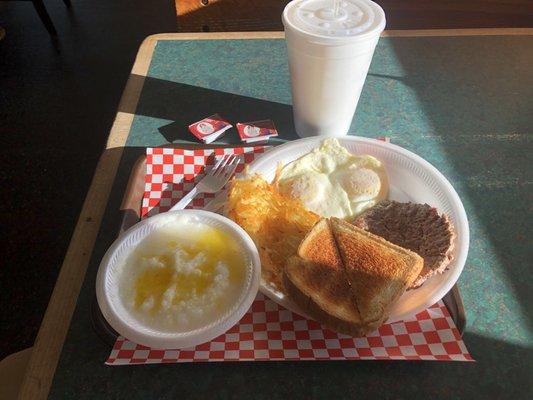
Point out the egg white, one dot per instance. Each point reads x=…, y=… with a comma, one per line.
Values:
x=332, y=182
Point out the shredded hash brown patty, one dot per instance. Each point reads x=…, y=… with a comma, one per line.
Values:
x=276, y=223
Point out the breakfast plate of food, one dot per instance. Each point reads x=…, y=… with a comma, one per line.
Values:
x=353, y=232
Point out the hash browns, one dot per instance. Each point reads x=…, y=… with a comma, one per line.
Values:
x=276, y=223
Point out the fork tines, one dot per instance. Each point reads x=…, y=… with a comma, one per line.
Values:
x=223, y=163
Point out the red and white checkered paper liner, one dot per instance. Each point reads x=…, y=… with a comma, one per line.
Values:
x=268, y=331
x=171, y=173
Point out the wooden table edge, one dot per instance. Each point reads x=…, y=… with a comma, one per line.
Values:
x=387, y=33
x=56, y=321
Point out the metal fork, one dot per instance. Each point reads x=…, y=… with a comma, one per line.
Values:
x=215, y=180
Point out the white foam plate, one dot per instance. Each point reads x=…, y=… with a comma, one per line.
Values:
x=411, y=178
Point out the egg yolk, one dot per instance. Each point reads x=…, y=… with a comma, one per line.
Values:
x=361, y=184
x=309, y=188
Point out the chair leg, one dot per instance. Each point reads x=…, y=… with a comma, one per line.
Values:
x=67, y=3
x=43, y=14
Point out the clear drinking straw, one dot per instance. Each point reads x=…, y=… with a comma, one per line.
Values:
x=336, y=7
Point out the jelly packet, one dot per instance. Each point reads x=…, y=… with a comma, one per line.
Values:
x=210, y=128
x=256, y=131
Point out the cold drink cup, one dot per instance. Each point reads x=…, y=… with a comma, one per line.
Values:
x=330, y=45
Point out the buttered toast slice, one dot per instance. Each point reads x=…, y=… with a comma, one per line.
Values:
x=378, y=271
x=319, y=246
x=317, y=282
x=324, y=294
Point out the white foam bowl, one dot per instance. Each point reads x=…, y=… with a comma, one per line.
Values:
x=110, y=271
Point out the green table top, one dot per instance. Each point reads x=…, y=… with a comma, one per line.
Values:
x=464, y=103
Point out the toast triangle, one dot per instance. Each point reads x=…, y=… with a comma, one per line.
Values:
x=317, y=282
x=378, y=271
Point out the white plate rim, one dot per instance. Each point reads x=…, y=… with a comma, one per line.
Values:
x=462, y=220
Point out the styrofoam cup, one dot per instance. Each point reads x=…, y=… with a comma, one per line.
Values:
x=329, y=55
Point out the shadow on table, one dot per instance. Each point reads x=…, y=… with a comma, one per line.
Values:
x=487, y=137
x=477, y=96
x=184, y=104
x=483, y=135
x=502, y=369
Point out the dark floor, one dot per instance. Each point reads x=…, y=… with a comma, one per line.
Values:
x=55, y=113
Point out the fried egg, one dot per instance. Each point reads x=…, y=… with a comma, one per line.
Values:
x=332, y=182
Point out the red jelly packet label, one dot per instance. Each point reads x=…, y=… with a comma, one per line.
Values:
x=210, y=128
x=257, y=130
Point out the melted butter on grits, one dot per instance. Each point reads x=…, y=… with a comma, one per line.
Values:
x=183, y=276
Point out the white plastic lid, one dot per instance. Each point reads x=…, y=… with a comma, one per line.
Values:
x=110, y=271
x=351, y=20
